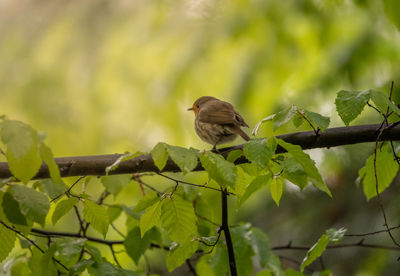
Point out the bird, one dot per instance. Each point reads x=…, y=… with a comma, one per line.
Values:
x=217, y=122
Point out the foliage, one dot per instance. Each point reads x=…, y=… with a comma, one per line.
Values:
x=100, y=77
x=171, y=220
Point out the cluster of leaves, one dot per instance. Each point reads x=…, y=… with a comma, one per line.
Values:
x=181, y=221
x=170, y=218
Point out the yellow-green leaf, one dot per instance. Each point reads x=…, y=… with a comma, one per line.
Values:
x=97, y=216
x=178, y=218
x=276, y=188
x=22, y=143
x=150, y=218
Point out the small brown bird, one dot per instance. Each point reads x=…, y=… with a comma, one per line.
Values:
x=217, y=122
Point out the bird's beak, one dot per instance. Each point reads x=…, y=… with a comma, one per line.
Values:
x=189, y=109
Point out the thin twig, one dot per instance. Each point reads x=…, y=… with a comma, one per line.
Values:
x=191, y=268
x=396, y=157
x=103, y=196
x=200, y=216
x=379, y=197
x=335, y=246
x=301, y=113
x=213, y=244
x=58, y=234
x=114, y=256
x=371, y=233
x=116, y=230
x=33, y=243
x=295, y=262
x=191, y=184
x=68, y=191
x=138, y=178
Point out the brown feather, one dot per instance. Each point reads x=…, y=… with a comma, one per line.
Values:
x=220, y=112
x=237, y=130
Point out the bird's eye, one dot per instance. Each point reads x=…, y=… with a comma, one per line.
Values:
x=197, y=105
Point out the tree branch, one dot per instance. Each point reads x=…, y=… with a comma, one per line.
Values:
x=341, y=245
x=225, y=227
x=96, y=164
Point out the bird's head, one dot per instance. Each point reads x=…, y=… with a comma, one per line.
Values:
x=199, y=103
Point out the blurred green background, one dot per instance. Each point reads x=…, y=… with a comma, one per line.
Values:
x=103, y=77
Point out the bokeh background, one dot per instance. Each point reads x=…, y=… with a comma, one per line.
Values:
x=104, y=77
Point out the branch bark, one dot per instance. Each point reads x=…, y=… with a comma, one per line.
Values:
x=225, y=227
x=96, y=164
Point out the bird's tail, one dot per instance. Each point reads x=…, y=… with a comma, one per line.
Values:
x=242, y=133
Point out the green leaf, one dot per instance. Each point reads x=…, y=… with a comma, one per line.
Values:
x=104, y=268
x=47, y=155
x=51, y=188
x=261, y=246
x=291, y=272
x=205, y=207
x=185, y=159
x=285, y=116
x=95, y=253
x=115, y=183
x=219, y=262
x=135, y=245
x=178, y=218
x=97, y=216
x=69, y=249
x=222, y=171
x=382, y=102
x=297, y=120
x=178, y=255
x=122, y=158
x=349, y=104
x=243, y=249
x=20, y=269
x=276, y=188
x=80, y=267
x=22, y=143
x=150, y=217
x=259, y=182
x=243, y=181
x=386, y=169
x=160, y=155
x=146, y=201
x=317, y=120
x=250, y=169
x=62, y=208
x=317, y=249
x=12, y=210
x=257, y=152
x=307, y=163
x=265, y=272
x=7, y=241
x=47, y=267
x=203, y=267
x=294, y=172
x=335, y=235
x=233, y=155
x=33, y=204
x=274, y=265
x=114, y=211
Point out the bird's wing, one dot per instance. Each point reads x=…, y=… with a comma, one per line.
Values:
x=221, y=113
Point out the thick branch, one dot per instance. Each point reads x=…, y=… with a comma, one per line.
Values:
x=96, y=164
